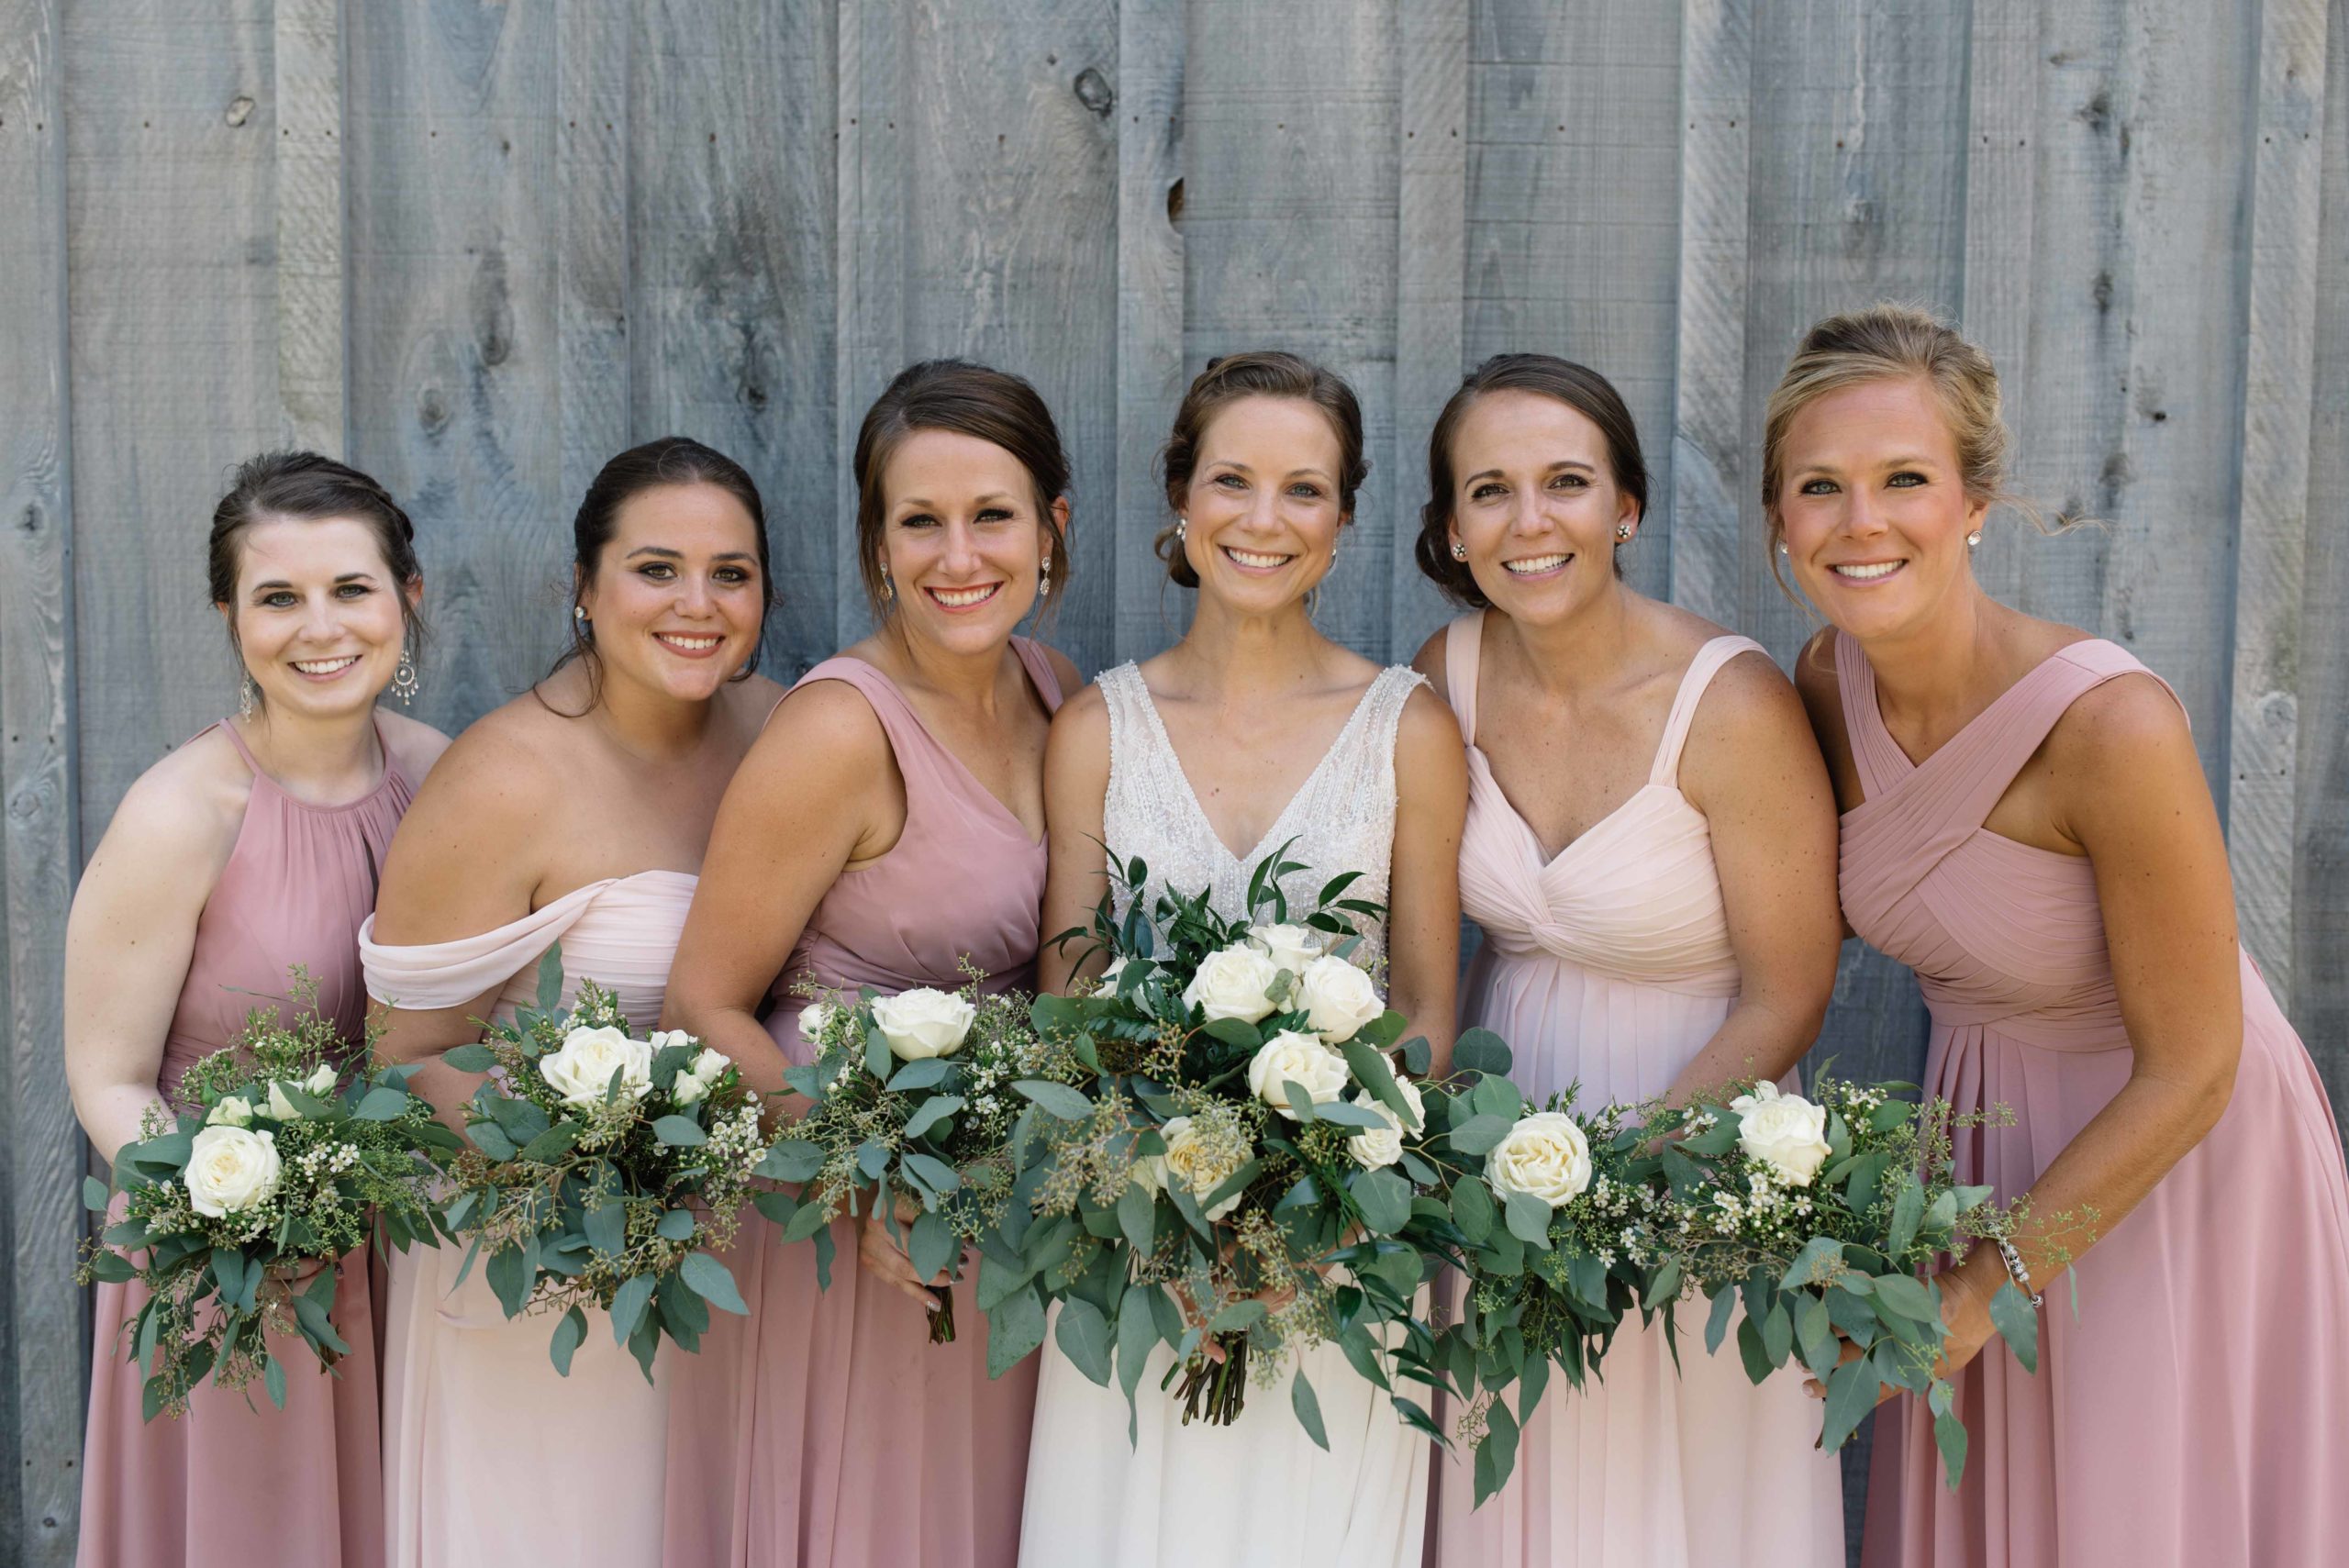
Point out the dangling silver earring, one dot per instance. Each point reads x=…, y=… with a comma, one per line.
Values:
x=1974, y=538
x=248, y=694
x=1181, y=528
x=405, y=685
x=1044, y=580
x=888, y=589
x=1458, y=550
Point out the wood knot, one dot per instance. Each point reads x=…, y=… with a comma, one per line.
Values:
x=1092, y=90
x=241, y=109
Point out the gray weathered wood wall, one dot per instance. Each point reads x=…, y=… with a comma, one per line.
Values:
x=478, y=247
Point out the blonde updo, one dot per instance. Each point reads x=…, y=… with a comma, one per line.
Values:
x=1888, y=342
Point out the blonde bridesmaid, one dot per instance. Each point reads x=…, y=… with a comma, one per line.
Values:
x=1650, y=852
x=885, y=830
x=250, y=848
x=2027, y=824
x=576, y=814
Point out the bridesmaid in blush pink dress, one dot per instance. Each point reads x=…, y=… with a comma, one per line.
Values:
x=576, y=814
x=1649, y=852
x=2027, y=824
x=248, y=849
x=886, y=829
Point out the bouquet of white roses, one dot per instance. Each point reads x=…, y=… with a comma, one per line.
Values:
x=605, y=1170
x=1237, y=1177
x=1820, y=1214
x=282, y=1161
x=914, y=1101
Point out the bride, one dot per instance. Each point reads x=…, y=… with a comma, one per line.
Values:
x=1253, y=731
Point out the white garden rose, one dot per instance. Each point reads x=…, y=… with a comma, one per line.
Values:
x=814, y=1020
x=581, y=1069
x=1545, y=1155
x=234, y=1110
x=1188, y=1160
x=1786, y=1132
x=323, y=1081
x=1337, y=999
x=923, y=1023
x=1289, y=947
x=1233, y=983
x=229, y=1170
x=1384, y=1146
x=1300, y=1059
x=280, y=1108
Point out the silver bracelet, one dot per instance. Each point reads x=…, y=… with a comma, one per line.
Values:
x=2015, y=1271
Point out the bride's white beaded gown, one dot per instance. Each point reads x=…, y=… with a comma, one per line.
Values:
x=1257, y=1493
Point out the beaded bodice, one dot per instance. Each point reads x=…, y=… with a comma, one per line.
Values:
x=1342, y=819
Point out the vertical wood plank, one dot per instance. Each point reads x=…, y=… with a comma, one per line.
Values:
x=2320, y=876
x=2286, y=160
x=1289, y=230
x=1573, y=209
x=307, y=53
x=1711, y=470
x=41, y=1343
x=454, y=353
x=592, y=133
x=869, y=328
x=1150, y=322
x=729, y=219
x=1431, y=221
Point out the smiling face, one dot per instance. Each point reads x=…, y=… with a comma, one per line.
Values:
x=1536, y=505
x=1873, y=506
x=1261, y=517
x=676, y=596
x=962, y=539
x=318, y=615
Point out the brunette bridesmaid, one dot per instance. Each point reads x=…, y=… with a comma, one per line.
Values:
x=887, y=828
x=2027, y=824
x=248, y=849
x=1649, y=852
x=576, y=814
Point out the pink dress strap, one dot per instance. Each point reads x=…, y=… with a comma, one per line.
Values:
x=1464, y=652
x=1699, y=675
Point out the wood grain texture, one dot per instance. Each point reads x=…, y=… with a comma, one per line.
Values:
x=1150, y=611
x=1574, y=211
x=451, y=113
x=592, y=100
x=170, y=236
x=1430, y=327
x=1289, y=234
x=728, y=229
x=1711, y=471
x=2286, y=201
x=307, y=49
x=869, y=235
x=43, y=1350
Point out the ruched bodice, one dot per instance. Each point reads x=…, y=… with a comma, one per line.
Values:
x=621, y=933
x=1636, y=896
x=2180, y=1417
x=296, y=889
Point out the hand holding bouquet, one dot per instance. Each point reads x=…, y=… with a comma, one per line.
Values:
x=605, y=1170
x=280, y=1164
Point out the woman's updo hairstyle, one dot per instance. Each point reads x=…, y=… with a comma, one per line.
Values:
x=1580, y=388
x=1260, y=373
x=307, y=487
x=670, y=459
x=1889, y=342
x=967, y=399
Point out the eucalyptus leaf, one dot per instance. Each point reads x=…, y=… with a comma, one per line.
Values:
x=1138, y=1218
x=383, y=1105
x=1308, y=1410
x=569, y=1332
x=679, y=1131
x=1497, y=1450
x=1084, y=1337
x=628, y=1305
x=931, y=1112
x=713, y=1282
x=926, y=1073
x=1528, y=1219
x=1481, y=1051
x=1055, y=1100
x=1851, y=1394
x=1015, y=1329
x=1717, y=1326
x=473, y=1057
x=677, y=1224
x=1384, y=1200
x=1480, y=1134
x=1244, y=1313
x=1472, y=1210
x=932, y=1245
x=2017, y=1322
x=1907, y=1295
x=793, y=1160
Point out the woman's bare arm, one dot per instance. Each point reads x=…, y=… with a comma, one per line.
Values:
x=1423, y=894
x=1076, y=782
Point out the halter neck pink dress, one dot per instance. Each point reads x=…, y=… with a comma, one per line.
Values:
x=477, y=1422
x=1609, y=965
x=2196, y=1412
x=824, y=1429
x=236, y=1482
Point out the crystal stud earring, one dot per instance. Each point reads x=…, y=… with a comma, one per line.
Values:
x=1974, y=538
x=1458, y=550
x=1622, y=530
x=1782, y=547
x=1182, y=528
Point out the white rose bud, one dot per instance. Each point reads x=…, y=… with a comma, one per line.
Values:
x=1786, y=1132
x=1300, y=1059
x=1108, y=984
x=1384, y=1146
x=923, y=1023
x=814, y=1020
x=1337, y=999
x=234, y=1110
x=583, y=1067
x=1232, y=982
x=1185, y=1161
x=1545, y=1155
x=323, y=1081
x=1289, y=947
x=280, y=1108
x=229, y=1170
x=698, y=1077
x=663, y=1038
